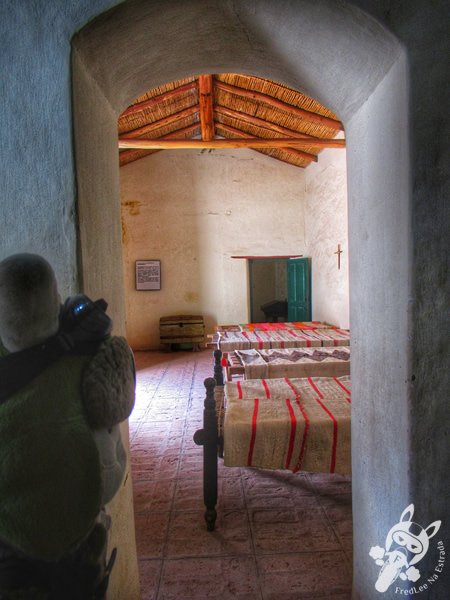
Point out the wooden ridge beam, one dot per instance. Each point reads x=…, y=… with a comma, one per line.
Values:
x=170, y=136
x=145, y=129
x=205, y=97
x=307, y=115
x=151, y=102
x=248, y=142
x=298, y=153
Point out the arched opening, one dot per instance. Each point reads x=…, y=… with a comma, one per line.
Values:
x=357, y=69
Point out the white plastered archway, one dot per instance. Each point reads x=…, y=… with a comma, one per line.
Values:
x=341, y=56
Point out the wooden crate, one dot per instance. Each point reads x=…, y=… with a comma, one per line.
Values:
x=182, y=329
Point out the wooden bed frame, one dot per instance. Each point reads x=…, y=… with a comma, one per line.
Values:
x=212, y=439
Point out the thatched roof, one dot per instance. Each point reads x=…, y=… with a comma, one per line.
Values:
x=228, y=110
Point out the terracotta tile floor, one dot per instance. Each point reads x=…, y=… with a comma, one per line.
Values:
x=278, y=536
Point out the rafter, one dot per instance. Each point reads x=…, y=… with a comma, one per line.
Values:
x=241, y=127
x=268, y=125
x=275, y=103
x=222, y=128
x=178, y=133
x=205, y=95
x=182, y=114
x=247, y=142
x=152, y=102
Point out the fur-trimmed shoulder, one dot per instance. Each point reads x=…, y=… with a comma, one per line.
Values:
x=108, y=384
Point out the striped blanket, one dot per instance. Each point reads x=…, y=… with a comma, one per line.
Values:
x=277, y=326
x=289, y=338
x=296, y=424
x=295, y=362
x=283, y=326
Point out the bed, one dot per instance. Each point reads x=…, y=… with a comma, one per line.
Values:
x=281, y=423
x=265, y=336
x=283, y=338
x=287, y=362
x=277, y=326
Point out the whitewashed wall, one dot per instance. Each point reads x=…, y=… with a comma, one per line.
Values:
x=326, y=227
x=193, y=211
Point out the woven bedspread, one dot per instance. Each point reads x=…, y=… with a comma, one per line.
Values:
x=283, y=326
x=290, y=338
x=295, y=362
x=277, y=326
x=296, y=424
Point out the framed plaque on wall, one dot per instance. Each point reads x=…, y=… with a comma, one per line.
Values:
x=148, y=274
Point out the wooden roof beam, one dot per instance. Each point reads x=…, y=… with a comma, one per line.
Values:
x=240, y=116
x=189, y=130
x=248, y=142
x=146, y=129
x=221, y=127
x=205, y=92
x=306, y=115
x=152, y=102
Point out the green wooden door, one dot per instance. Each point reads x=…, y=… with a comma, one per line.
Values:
x=299, y=289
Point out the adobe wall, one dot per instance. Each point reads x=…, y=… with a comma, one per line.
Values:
x=326, y=228
x=194, y=211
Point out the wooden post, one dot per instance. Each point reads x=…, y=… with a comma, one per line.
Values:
x=218, y=368
x=205, y=94
x=208, y=438
x=210, y=455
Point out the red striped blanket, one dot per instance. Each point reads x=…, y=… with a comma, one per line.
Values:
x=296, y=424
x=283, y=326
x=277, y=326
x=289, y=338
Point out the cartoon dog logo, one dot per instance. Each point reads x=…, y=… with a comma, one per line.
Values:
x=406, y=544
